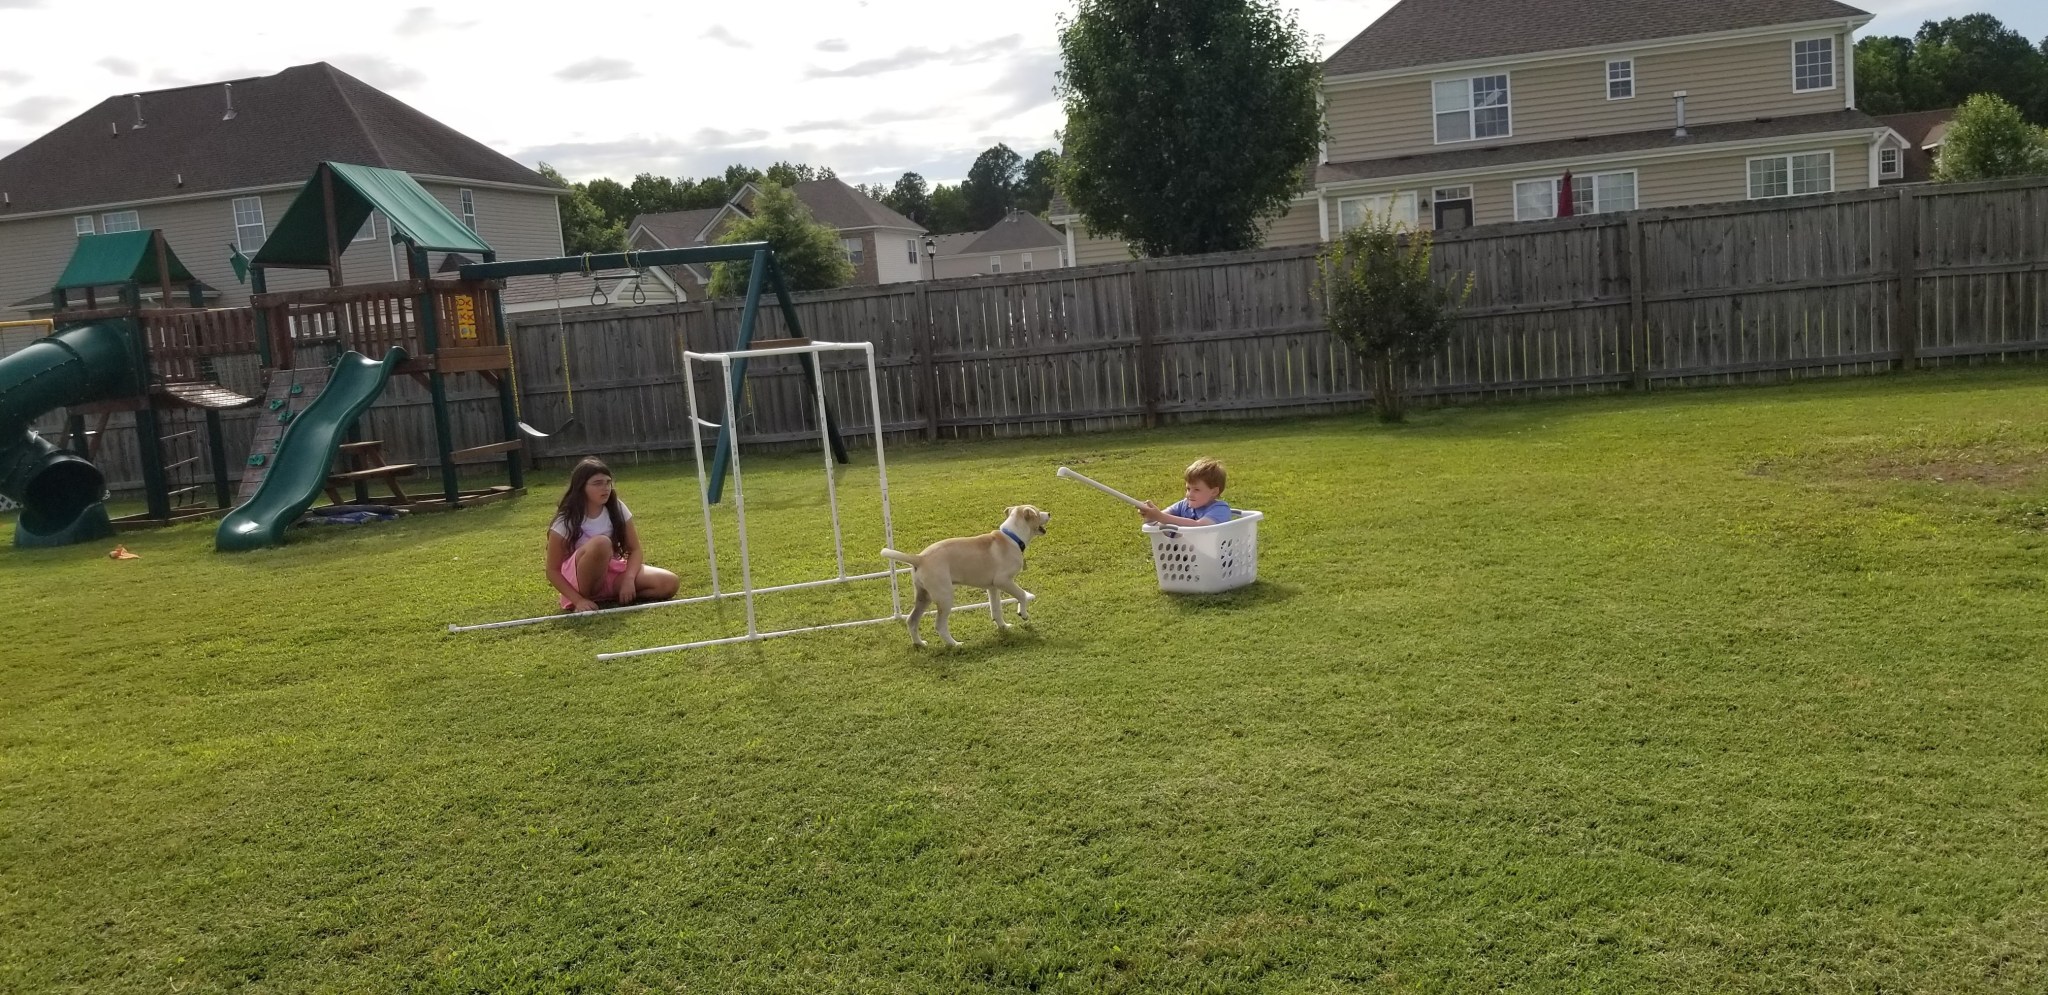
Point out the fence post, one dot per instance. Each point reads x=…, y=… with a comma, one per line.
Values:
x=1638, y=321
x=1146, y=314
x=1906, y=298
x=927, y=332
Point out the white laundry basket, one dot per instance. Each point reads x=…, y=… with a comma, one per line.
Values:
x=1205, y=559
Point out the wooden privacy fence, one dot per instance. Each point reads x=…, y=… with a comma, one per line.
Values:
x=1838, y=284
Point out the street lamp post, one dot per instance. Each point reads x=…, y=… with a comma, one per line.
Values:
x=931, y=255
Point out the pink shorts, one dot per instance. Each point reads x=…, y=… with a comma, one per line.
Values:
x=607, y=586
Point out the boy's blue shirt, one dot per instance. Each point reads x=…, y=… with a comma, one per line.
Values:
x=1214, y=513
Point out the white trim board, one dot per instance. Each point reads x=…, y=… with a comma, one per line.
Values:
x=1837, y=137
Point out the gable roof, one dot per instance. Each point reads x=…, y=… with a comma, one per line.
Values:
x=676, y=229
x=122, y=257
x=953, y=244
x=300, y=238
x=1428, y=32
x=1017, y=231
x=834, y=203
x=284, y=126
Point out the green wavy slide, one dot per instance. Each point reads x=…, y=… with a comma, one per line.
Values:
x=299, y=468
x=59, y=491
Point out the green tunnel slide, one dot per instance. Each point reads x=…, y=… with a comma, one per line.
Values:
x=60, y=491
x=298, y=470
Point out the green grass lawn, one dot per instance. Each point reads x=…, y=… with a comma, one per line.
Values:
x=1717, y=691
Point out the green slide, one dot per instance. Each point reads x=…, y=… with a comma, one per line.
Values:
x=298, y=471
x=60, y=491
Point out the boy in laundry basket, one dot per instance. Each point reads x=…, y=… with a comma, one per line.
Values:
x=1203, y=504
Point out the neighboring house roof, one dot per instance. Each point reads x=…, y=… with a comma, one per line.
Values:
x=834, y=203
x=1922, y=131
x=675, y=229
x=1428, y=32
x=1600, y=145
x=953, y=244
x=284, y=126
x=1018, y=231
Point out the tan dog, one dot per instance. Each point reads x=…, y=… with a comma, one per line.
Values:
x=990, y=561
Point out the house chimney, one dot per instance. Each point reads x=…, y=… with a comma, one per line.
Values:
x=138, y=113
x=1678, y=99
x=229, y=89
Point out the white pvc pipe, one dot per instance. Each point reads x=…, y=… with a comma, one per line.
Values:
x=759, y=636
x=671, y=603
x=739, y=491
x=882, y=471
x=825, y=439
x=697, y=451
x=1100, y=486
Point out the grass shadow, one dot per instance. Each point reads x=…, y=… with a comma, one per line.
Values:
x=1257, y=594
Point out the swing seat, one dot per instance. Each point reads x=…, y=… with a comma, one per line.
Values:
x=533, y=433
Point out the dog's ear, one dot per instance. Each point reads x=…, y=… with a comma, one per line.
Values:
x=1009, y=511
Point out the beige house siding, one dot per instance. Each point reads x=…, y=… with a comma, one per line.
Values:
x=33, y=251
x=1092, y=251
x=978, y=263
x=1567, y=98
x=1297, y=227
x=1712, y=177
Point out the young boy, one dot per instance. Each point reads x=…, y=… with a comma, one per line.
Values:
x=1205, y=486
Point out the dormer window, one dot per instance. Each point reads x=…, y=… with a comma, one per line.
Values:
x=1813, y=64
x=1888, y=162
x=1472, y=108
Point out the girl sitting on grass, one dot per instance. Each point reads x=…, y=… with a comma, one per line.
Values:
x=594, y=550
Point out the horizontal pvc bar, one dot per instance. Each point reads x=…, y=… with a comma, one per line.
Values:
x=698, y=600
x=757, y=637
x=788, y=350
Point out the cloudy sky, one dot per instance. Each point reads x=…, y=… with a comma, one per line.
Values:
x=869, y=87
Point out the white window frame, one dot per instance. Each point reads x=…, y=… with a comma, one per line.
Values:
x=912, y=244
x=855, y=252
x=1516, y=192
x=1461, y=192
x=1471, y=108
x=468, y=200
x=1027, y=260
x=1791, y=187
x=242, y=225
x=1834, y=64
x=107, y=222
x=1390, y=202
x=1594, y=180
x=84, y=225
x=1630, y=78
x=995, y=264
x=368, y=232
x=1897, y=167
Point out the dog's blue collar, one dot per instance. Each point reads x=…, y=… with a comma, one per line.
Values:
x=1013, y=537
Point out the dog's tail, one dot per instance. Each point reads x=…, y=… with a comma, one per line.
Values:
x=912, y=559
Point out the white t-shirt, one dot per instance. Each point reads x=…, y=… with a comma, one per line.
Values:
x=592, y=527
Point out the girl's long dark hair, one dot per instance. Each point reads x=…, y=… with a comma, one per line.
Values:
x=574, y=504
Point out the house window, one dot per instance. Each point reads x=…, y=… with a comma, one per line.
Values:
x=995, y=264
x=469, y=208
x=368, y=232
x=1400, y=207
x=910, y=244
x=1027, y=260
x=248, y=224
x=1888, y=162
x=1476, y=107
x=852, y=248
x=1535, y=199
x=82, y=225
x=1604, y=193
x=117, y=221
x=1621, y=79
x=1791, y=175
x=1813, y=64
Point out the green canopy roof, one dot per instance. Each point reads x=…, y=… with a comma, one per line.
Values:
x=301, y=237
x=107, y=260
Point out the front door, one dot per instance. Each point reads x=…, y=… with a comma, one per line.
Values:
x=1452, y=215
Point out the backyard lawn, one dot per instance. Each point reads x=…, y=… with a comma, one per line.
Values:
x=1714, y=691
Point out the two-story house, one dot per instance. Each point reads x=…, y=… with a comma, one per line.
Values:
x=1017, y=244
x=882, y=245
x=1451, y=113
x=215, y=166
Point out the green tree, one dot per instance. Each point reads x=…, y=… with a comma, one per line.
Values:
x=948, y=211
x=1188, y=124
x=790, y=174
x=910, y=199
x=1882, y=66
x=807, y=252
x=991, y=187
x=1040, y=179
x=585, y=228
x=1378, y=296
x=1947, y=62
x=1990, y=139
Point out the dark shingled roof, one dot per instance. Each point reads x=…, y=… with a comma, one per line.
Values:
x=1429, y=32
x=1600, y=145
x=837, y=205
x=675, y=229
x=1017, y=231
x=284, y=125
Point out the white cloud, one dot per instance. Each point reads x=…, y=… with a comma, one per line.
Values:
x=119, y=66
x=423, y=20
x=597, y=70
x=34, y=110
x=720, y=34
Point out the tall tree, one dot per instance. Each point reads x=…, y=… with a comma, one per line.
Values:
x=1040, y=179
x=991, y=186
x=807, y=252
x=910, y=199
x=1988, y=140
x=585, y=228
x=1882, y=68
x=948, y=211
x=1949, y=61
x=790, y=174
x=1188, y=124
